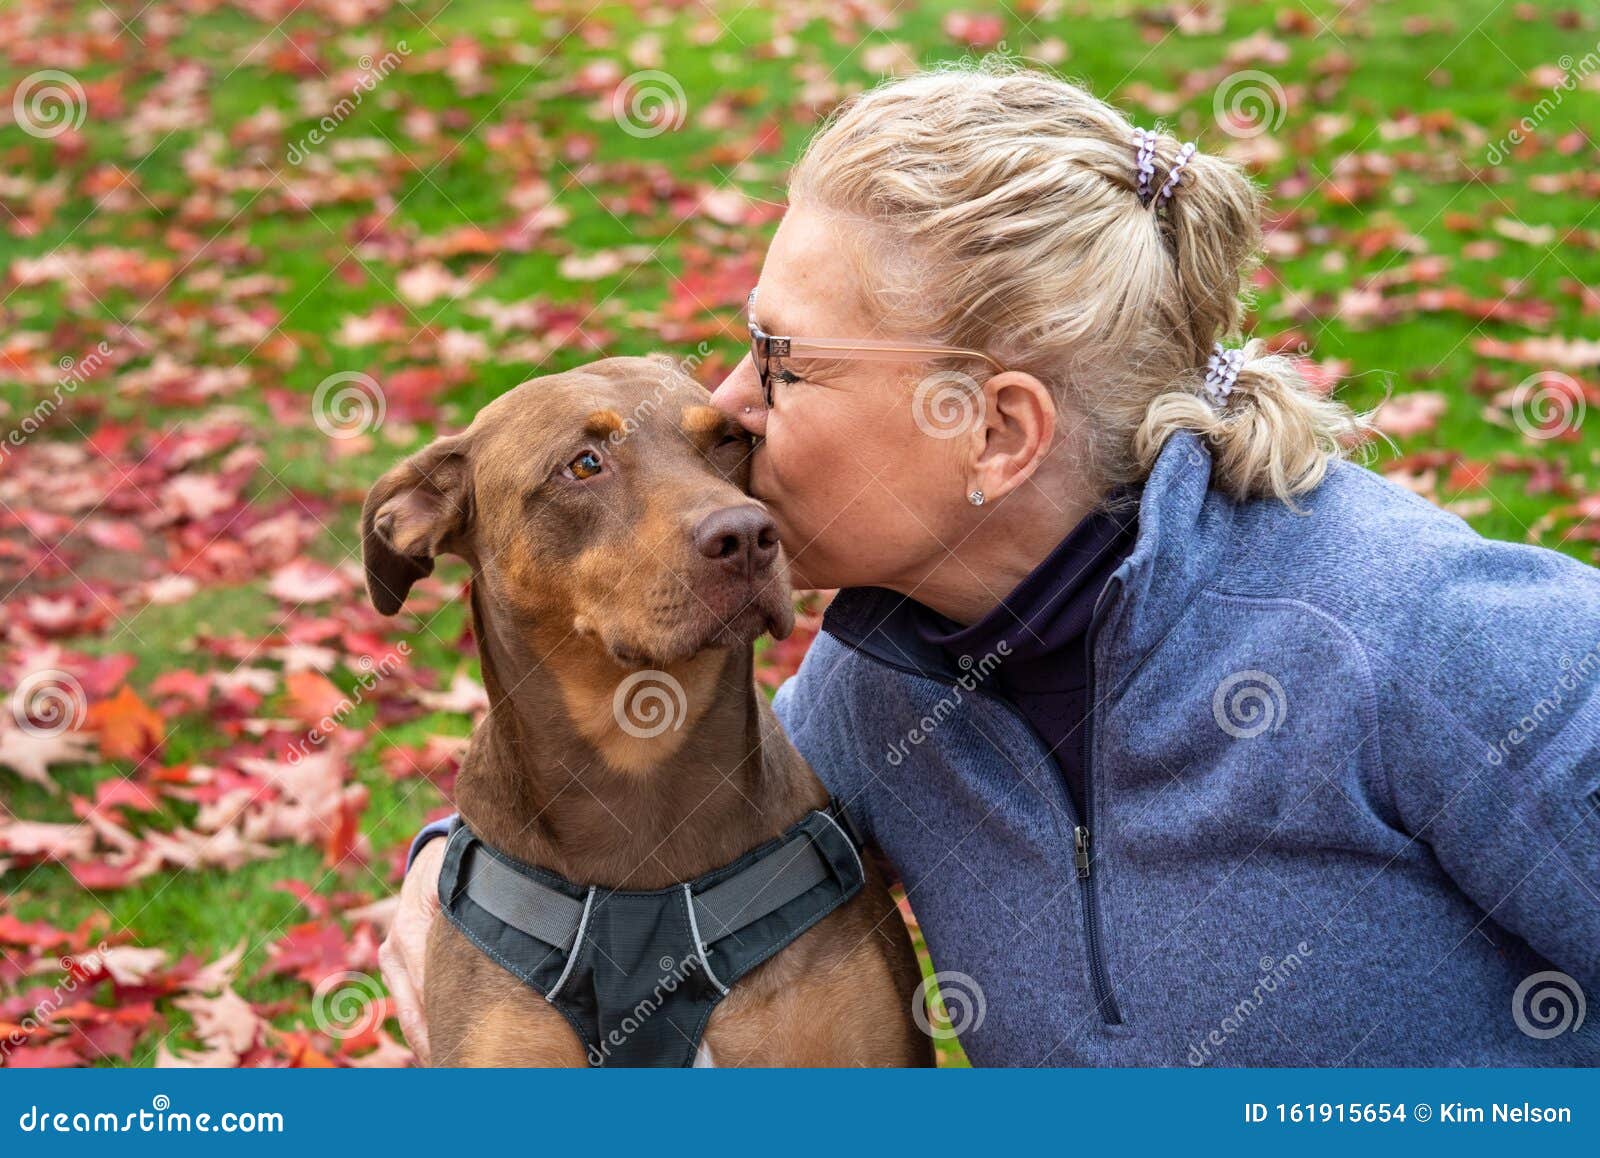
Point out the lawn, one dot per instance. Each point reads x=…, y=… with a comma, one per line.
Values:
x=254, y=252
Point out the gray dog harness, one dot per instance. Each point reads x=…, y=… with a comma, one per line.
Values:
x=638, y=973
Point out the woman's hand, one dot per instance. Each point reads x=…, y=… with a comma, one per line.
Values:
x=405, y=950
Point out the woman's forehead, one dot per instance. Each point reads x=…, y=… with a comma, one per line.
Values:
x=808, y=286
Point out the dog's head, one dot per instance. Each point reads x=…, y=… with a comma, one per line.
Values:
x=606, y=502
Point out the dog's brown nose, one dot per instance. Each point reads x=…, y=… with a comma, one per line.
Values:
x=743, y=539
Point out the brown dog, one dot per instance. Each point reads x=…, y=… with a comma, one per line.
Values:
x=604, y=517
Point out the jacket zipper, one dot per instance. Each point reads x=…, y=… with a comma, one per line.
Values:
x=1105, y=999
x=1100, y=979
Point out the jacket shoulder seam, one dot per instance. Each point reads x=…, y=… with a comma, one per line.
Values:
x=1363, y=654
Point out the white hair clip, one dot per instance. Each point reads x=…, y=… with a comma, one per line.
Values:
x=1222, y=371
x=1144, y=144
x=1175, y=174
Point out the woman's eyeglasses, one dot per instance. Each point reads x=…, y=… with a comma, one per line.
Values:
x=764, y=348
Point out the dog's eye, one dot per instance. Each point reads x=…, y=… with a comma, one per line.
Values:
x=733, y=440
x=585, y=466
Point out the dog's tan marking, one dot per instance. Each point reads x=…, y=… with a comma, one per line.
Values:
x=602, y=423
x=633, y=620
x=637, y=719
x=701, y=423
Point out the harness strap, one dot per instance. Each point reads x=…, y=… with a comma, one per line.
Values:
x=524, y=903
x=764, y=887
x=553, y=917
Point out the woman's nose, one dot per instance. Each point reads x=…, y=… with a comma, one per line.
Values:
x=739, y=397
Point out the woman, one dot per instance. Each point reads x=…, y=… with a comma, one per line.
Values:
x=1190, y=742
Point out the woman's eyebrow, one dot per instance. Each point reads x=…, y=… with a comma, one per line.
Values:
x=770, y=321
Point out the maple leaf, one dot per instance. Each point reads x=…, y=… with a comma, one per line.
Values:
x=423, y=284
x=30, y=754
x=169, y=589
x=55, y=1055
x=1408, y=414
x=98, y=876
x=981, y=30
x=198, y=497
x=37, y=934
x=311, y=951
x=378, y=913
x=131, y=965
x=108, y=1040
x=302, y=1053
x=129, y=730
x=466, y=696
x=227, y=1024
x=60, y=842
x=312, y=696
x=388, y=1054
x=1568, y=353
x=305, y=581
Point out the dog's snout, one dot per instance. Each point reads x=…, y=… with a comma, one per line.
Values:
x=743, y=539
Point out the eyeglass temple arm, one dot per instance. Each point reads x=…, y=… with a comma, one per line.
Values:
x=869, y=349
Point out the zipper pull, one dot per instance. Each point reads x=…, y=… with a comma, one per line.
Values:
x=1080, y=845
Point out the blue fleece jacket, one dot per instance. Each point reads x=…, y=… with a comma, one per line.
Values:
x=1342, y=794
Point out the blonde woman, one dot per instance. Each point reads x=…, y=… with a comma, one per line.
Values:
x=1191, y=742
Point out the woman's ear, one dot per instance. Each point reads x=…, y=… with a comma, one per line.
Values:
x=1016, y=433
x=419, y=510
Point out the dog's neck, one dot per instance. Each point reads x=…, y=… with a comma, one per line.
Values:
x=618, y=777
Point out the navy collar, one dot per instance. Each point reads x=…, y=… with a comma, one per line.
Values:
x=883, y=625
x=1051, y=608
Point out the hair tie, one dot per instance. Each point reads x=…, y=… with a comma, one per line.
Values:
x=1175, y=174
x=1222, y=371
x=1144, y=144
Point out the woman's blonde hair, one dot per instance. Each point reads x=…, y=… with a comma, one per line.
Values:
x=997, y=208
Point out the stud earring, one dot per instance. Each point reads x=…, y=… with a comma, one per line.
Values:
x=976, y=498
x=748, y=409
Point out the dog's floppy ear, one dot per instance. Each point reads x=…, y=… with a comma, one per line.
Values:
x=417, y=511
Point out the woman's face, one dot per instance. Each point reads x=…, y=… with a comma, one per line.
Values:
x=862, y=493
